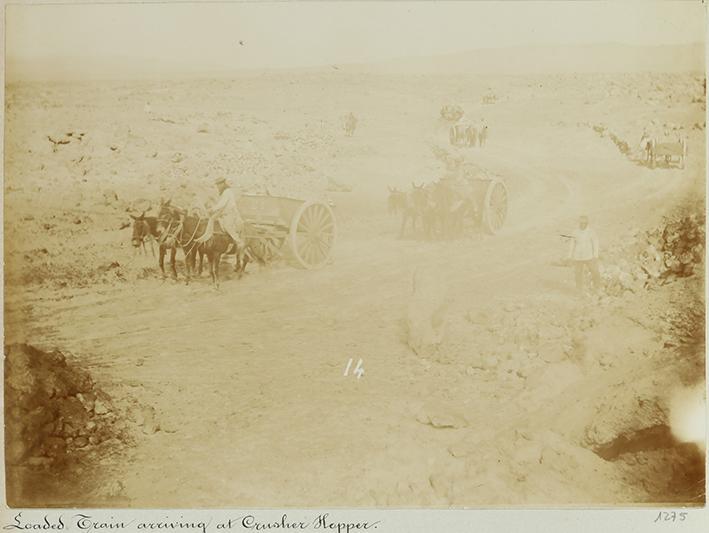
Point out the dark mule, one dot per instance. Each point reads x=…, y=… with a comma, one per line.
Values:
x=186, y=232
x=168, y=227
x=218, y=244
x=412, y=206
x=396, y=201
x=144, y=229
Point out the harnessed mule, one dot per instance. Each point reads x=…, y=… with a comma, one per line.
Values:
x=144, y=229
x=167, y=227
x=185, y=230
x=412, y=206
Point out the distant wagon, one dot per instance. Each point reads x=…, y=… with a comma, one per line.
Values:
x=670, y=151
x=451, y=113
x=670, y=146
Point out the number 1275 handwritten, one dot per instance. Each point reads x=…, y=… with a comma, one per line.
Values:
x=671, y=516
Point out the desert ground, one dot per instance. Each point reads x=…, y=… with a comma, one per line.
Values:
x=535, y=395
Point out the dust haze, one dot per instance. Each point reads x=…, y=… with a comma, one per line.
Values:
x=413, y=312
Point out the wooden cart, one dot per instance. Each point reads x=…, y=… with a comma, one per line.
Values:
x=279, y=226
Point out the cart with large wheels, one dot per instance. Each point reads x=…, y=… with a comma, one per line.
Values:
x=278, y=226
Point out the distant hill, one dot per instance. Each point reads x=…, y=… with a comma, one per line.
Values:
x=88, y=68
x=609, y=58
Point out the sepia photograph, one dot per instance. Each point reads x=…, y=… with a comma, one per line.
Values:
x=354, y=255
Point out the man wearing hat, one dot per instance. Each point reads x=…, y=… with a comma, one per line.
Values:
x=226, y=212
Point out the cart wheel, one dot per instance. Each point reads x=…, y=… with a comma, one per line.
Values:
x=495, y=207
x=312, y=234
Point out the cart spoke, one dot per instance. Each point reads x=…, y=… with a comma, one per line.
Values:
x=322, y=248
x=318, y=215
x=314, y=256
x=305, y=252
x=304, y=228
x=305, y=244
x=313, y=253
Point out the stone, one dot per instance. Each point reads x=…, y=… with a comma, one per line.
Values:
x=149, y=420
x=440, y=415
x=40, y=461
x=87, y=400
x=100, y=408
x=81, y=442
x=522, y=372
x=51, y=428
x=54, y=447
x=68, y=430
x=114, y=489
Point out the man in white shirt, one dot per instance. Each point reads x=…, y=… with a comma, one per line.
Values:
x=583, y=251
x=226, y=212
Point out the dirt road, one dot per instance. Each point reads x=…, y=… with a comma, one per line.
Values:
x=247, y=383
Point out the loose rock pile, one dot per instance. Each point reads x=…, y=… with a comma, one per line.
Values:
x=622, y=277
x=52, y=408
x=674, y=250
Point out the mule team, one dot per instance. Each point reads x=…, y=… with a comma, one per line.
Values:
x=441, y=208
x=220, y=233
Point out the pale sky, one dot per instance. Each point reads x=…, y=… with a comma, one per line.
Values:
x=206, y=36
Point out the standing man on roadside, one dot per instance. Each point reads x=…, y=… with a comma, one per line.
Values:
x=583, y=252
